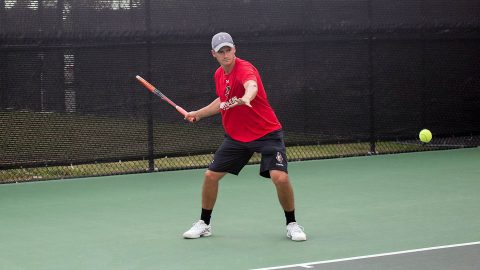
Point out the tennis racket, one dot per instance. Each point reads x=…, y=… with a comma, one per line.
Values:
x=157, y=92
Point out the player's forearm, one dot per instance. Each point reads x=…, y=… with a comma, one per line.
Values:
x=251, y=90
x=210, y=109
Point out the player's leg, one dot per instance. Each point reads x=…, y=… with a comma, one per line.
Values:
x=231, y=157
x=284, y=190
x=209, y=195
x=286, y=198
x=274, y=165
x=210, y=190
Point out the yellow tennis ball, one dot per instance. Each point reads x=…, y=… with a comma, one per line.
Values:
x=425, y=135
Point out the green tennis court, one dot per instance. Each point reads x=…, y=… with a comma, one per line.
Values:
x=349, y=207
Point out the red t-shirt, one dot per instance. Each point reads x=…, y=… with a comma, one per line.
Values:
x=243, y=123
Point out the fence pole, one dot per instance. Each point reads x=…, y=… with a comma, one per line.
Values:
x=150, y=131
x=371, y=91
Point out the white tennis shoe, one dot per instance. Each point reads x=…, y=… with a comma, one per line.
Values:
x=198, y=229
x=295, y=232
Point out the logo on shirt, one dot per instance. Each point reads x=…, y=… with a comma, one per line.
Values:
x=227, y=91
x=226, y=104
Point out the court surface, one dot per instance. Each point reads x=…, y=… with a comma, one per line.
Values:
x=403, y=211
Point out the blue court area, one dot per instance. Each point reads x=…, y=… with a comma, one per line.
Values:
x=404, y=211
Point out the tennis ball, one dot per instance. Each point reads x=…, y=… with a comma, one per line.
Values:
x=425, y=135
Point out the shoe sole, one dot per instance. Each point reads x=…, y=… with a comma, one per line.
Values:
x=297, y=239
x=206, y=234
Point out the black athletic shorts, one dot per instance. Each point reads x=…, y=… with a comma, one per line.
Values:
x=233, y=155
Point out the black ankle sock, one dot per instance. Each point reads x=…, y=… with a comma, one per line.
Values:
x=290, y=216
x=206, y=214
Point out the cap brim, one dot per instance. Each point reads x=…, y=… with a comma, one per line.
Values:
x=221, y=45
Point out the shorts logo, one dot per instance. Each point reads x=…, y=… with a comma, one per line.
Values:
x=279, y=159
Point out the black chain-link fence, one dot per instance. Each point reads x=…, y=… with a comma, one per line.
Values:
x=345, y=77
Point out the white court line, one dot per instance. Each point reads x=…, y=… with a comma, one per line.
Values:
x=309, y=264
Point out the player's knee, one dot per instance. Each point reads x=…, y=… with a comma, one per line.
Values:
x=279, y=177
x=212, y=176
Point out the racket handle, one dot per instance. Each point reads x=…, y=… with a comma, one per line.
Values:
x=181, y=110
x=184, y=113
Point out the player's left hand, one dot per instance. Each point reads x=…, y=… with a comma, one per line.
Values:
x=235, y=102
x=244, y=101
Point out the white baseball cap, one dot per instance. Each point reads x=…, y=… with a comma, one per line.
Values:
x=221, y=40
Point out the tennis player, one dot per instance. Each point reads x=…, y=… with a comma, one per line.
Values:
x=251, y=126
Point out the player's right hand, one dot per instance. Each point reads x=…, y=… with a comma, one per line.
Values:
x=192, y=116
